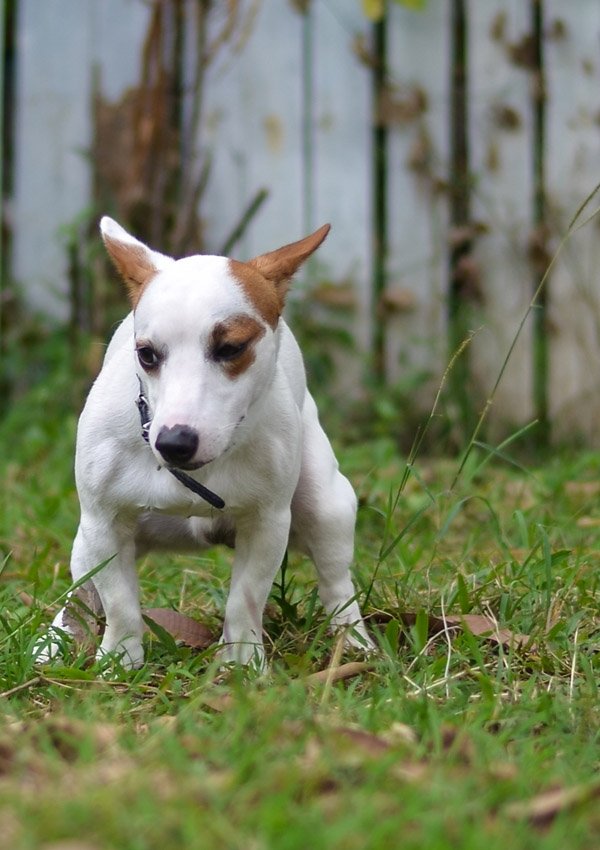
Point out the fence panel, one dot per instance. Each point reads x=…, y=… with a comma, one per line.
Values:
x=288, y=107
x=573, y=169
x=502, y=187
x=416, y=111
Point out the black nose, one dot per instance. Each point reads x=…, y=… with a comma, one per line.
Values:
x=177, y=444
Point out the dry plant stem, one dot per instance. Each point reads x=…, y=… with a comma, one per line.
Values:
x=573, y=665
x=30, y=683
x=449, y=654
x=335, y=660
x=338, y=674
x=386, y=547
x=573, y=228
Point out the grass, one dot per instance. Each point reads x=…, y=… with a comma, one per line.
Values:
x=447, y=740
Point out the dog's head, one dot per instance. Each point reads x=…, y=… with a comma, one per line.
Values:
x=205, y=338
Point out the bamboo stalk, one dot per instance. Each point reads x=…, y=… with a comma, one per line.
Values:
x=380, y=195
x=460, y=210
x=538, y=104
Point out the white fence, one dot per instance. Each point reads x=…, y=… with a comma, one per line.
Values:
x=289, y=107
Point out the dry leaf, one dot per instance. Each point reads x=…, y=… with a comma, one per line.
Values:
x=400, y=733
x=66, y=734
x=483, y=626
x=182, y=628
x=83, y=617
x=353, y=747
x=477, y=624
x=356, y=744
x=340, y=296
x=588, y=522
x=543, y=808
x=458, y=742
x=218, y=701
x=397, y=300
x=70, y=844
x=7, y=755
x=586, y=489
x=400, y=105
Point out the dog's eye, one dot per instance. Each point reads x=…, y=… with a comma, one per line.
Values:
x=229, y=350
x=148, y=357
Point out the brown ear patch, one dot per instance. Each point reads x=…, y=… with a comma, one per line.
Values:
x=232, y=333
x=259, y=292
x=265, y=279
x=134, y=264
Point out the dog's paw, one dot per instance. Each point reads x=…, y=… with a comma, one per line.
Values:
x=129, y=653
x=243, y=653
x=356, y=637
x=51, y=646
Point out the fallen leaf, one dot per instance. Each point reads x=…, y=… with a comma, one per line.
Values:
x=217, y=701
x=7, y=756
x=456, y=741
x=335, y=295
x=26, y=598
x=83, y=617
x=588, y=522
x=586, y=489
x=543, y=808
x=352, y=748
x=356, y=743
x=190, y=632
x=400, y=733
x=476, y=624
x=397, y=300
x=483, y=626
x=67, y=733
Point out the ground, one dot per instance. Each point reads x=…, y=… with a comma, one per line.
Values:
x=446, y=739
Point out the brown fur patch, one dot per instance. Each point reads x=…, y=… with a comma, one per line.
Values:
x=265, y=279
x=222, y=532
x=133, y=264
x=258, y=290
x=238, y=330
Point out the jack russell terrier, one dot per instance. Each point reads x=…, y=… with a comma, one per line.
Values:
x=222, y=408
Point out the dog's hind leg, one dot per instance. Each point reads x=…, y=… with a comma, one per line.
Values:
x=323, y=519
x=162, y=532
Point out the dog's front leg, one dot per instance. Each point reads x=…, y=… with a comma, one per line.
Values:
x=107, y=540
x=261, y=541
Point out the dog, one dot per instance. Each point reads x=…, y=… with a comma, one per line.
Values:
x=200, y=430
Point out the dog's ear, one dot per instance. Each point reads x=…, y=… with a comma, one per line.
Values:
x=280, y=265
x=136, y=263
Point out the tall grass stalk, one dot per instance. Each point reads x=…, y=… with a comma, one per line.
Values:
x=574, y=226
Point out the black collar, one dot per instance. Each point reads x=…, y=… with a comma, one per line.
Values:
x=186, y=480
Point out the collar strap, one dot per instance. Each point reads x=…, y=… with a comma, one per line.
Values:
x=186, y=480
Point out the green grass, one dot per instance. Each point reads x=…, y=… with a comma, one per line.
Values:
x=435, y=746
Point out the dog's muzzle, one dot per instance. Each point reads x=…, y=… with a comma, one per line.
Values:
x=183, y=440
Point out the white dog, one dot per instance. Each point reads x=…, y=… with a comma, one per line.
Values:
x=222, y=408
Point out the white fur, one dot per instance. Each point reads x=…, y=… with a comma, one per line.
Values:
x=265, y=452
